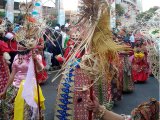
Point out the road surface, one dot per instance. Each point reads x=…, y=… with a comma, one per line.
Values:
x=142, y=93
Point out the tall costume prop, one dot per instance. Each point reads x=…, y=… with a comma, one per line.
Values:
x=80, y=75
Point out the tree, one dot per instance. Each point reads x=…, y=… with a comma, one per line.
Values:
x=147, y=15
x=119, y=10
x=2, y=14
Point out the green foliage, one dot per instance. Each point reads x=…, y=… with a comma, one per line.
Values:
x=147, y=15
x=155, y=32
x=2, y=14
x=119, y=10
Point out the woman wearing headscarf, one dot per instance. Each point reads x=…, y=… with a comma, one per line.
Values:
x=140, y=66
x=19, y=72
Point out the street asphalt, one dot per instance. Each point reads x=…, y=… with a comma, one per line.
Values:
x=142, y=93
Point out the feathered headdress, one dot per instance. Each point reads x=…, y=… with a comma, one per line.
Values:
x=30, y=32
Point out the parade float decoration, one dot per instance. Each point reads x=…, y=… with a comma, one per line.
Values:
x=149, y=31
x=151, y=34
x=95, y=69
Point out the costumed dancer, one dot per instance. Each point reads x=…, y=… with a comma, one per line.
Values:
x=71, y=97
x=4, y=60
x=67, y=53
x=18, y=74
x=145, y=111
x=72, y=91
x=124, y=81
x=41, y=76
x=79, y=76
x=22, y=98
x=140, y=66
x=12, y=44
x=125, y=70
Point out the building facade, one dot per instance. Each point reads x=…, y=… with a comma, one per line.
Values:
x=132, y=8
x=46, y=11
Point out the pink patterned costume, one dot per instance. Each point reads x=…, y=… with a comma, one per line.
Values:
x=4, y=70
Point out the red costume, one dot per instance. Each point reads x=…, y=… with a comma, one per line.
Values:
x=4, y=70
x=140, y=69
x=41, y=76
x=70, y=45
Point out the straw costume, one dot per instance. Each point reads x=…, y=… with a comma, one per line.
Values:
x=97, y=65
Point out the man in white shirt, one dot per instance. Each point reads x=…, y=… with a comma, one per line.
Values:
x=132, y=40
x=67, y=23
x=64, y=35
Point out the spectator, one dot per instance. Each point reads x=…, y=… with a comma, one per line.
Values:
x=126, y=38
x=132, y=40
x=67, y=23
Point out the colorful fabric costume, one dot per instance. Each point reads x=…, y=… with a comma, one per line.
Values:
x=101, y=51
x=125, y=70
x=41, y=76
x=20, y=66
x=140, y=68
x=146, y=111
x=4, y=69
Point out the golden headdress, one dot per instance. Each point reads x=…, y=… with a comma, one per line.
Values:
x=30, y=32
x=96, y=35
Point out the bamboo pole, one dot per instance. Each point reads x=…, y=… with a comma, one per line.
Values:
x=35, y=70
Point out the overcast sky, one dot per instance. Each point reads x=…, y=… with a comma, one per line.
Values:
x=68, y=4
x=150, y=3
x=71, y=4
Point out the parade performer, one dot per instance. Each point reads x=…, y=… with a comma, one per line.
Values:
x=140, y=66
x=145, y=111
x=41, y=76
x=80, y=75
x=125, y=71
x=68, y=52
x=22, y=98
x=19, y=72
x=4, y=71
x=125, y=81
x=151, y=37
x=12, y=44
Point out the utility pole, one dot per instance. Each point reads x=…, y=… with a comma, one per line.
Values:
x=113, y=13
x=60, y=12
x=10, y=10
x=56, y=6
